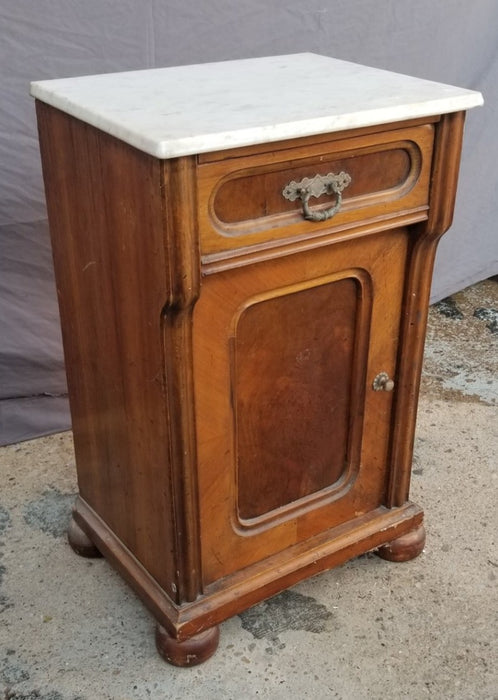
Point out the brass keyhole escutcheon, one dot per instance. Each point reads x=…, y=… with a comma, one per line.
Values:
x=383, y=382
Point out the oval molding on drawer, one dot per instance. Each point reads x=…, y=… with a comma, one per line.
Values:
x=246, y=200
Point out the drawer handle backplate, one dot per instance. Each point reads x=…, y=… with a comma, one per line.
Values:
x=315, y=187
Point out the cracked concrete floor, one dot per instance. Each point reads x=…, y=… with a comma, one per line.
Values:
x=70, y=629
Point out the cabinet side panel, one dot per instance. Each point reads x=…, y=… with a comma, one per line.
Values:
x=106, y=220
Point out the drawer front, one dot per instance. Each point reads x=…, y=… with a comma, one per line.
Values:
x=244, y=201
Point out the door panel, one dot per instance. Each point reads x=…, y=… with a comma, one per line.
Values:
x=292, y=440
x=292, y=379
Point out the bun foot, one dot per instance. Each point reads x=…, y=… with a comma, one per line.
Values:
x=80, y=542
x=189, y=652
x=405, y=547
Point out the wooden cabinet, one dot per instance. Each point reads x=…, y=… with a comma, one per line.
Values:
x=243, y=381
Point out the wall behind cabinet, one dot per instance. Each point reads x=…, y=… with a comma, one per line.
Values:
x=450, y=41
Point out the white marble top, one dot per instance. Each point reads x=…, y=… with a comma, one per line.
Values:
x=171, y=112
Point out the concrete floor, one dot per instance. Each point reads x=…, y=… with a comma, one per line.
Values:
x=70, y=629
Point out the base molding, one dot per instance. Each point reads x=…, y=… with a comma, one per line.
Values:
x=235, y=593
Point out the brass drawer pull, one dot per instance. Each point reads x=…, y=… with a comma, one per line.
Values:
x=315, y=187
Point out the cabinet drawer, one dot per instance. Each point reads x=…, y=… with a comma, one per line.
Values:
x=242, y=202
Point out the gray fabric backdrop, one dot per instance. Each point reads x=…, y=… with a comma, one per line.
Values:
x=451, y=41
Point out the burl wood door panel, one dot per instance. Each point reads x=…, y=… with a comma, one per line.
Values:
x=291, y=438
x=293, y=360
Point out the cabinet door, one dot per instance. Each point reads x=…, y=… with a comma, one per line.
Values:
x=292, y=439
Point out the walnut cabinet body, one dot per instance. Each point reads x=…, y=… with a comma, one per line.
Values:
x=222, y=354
